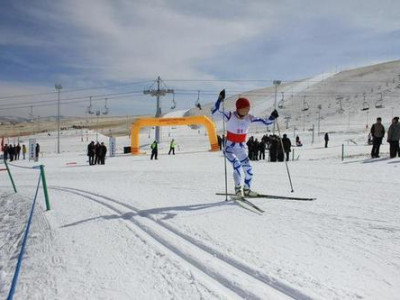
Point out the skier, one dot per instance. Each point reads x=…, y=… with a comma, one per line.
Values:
x=237, y=124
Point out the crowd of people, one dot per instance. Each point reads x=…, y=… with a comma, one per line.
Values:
x=97, y=153
x=377, y=133
x=278, y=148
x=13, y=152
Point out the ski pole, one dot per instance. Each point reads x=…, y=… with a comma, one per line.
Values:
x=283, y=151
x=223, y=147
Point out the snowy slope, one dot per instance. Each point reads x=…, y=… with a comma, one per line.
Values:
x=141, y=229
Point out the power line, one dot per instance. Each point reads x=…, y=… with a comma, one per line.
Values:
x=73, y=90
x=331, y=81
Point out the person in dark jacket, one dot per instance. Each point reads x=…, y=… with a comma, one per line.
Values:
x=97, y=153
x=5, y=152
x=393, y=137
x=250, y=144
x=219, y=142
x=326, y=138
x=91, y=153
x=261, y=150
x=377, y=134
x=17, y=151
x=279, y=151
x=37, y=151
x=273, y=147
x=298, y=142
x=256, y=147
x=102, y=153
x=11, y=152
x=154, y=150
x=287, y=144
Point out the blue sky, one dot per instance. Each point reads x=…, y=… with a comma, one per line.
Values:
x=113, y=45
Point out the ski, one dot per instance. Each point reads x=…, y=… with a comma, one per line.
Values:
x=274, y=197
x=246, y=204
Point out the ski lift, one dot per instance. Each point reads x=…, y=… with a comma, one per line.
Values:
x=379, y=102
x=173, y=105
x=89, y=109
x=197, y=103
x=365, y=105
x=31, y=113
x=305, y=104
x=281, y=103
x=106, y=109
x=339, y=101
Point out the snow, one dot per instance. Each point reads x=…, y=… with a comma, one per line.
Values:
x=141, y=229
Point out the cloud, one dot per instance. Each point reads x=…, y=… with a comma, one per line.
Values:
x=95, y=42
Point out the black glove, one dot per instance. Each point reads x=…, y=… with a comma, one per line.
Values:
x=221, y=96
x=274, y=115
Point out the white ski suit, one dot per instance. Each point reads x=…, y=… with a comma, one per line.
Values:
x=235, y=149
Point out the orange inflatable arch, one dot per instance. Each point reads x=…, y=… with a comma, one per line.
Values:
x=194, y=120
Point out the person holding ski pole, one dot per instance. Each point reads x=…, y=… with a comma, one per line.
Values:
x=237, y=126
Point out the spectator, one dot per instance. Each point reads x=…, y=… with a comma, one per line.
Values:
x=91, y=152
x=261, y=150
x=273, y=148
x=5, y=152
x=17, y=152
x=286, y=145
x=219, y=142
x=97, y=153
x=154, y=150
x=23, y=151
x=172, y=147
x=377, y=134
x=326, y=138
x=102, y=153
x=393, y=137
x=298, y=142
x=37, y=151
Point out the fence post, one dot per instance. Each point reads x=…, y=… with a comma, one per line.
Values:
x=342, y=152
x=9, y=174
x=293, y=155
x=46, y=194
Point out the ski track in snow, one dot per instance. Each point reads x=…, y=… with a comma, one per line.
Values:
x=238, y=277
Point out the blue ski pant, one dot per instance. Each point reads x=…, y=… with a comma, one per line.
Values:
x=236, y=154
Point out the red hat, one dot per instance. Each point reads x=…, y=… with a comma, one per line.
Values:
x=242, y=103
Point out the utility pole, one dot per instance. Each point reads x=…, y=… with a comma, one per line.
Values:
x=319, y=117
x=158, y=93
x=276, y=83
x=58, y=88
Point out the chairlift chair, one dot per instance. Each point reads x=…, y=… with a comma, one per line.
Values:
x=305, y=105
x=173, y=105
x=197, y=103
x=379, y=102
x=281, y=103
x=365, y=105
x=106, y=109
x=89, y=109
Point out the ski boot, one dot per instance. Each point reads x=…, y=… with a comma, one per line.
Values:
x=238, y=191
x=249, y=193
